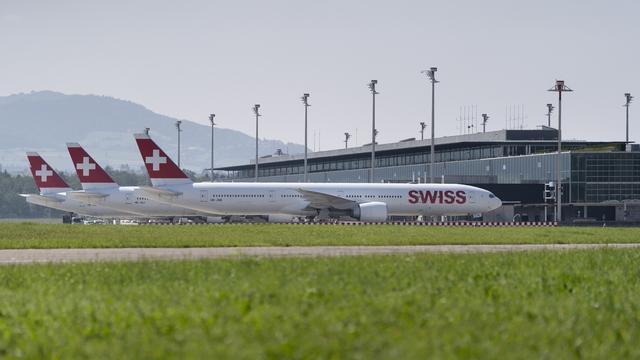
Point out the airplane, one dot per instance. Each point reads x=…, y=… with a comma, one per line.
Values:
x=368, y=202
x=99, y=188
x=53, y=192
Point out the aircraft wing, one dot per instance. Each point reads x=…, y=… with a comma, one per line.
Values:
x=321, y=200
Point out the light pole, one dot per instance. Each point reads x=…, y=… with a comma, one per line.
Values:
x=347, y=136
x=372, y=87
x=146, y=131
x=305, y=101
x=431, y=74
x=178, y=123
x=485, y=118
x=560, y=87
x=423, y=125
x=549, y=111
x=629, y=98
x=213, y=124
x=256, y=110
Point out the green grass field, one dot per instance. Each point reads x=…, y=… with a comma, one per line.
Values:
x=580, y=304
x=29, y=235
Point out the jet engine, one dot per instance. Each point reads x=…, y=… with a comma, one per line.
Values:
x=374, y=211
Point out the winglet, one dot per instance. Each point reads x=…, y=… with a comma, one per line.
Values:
x=161, y=169
x=90, y=173
x=47, y=180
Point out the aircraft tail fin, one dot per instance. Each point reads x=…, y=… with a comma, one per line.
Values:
x=161, y=169
x=47, y=180
x=90, y=173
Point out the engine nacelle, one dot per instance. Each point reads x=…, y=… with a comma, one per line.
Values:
x=374, y=211
x=279, y=218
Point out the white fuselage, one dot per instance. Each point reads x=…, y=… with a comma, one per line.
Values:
x=131, y=200
x=284, y=198
x=60, y=201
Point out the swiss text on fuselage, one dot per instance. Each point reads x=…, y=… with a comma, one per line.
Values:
x=437, y=197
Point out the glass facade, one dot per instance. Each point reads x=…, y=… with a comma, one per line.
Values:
x=605, y=174
x=598, y=177
x=409, y=157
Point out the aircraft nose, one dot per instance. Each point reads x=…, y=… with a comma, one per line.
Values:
x=497, y=203
x=494, y=201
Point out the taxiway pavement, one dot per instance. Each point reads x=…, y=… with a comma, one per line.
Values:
x=25, y=256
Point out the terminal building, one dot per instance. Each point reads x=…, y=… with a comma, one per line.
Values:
x=600, y=179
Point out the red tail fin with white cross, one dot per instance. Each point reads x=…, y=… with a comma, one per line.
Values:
x=161, y=169
x=47, y=180
x=90, y=173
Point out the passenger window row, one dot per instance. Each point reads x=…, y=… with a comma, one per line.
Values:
x=238, y=195
x=376, y=196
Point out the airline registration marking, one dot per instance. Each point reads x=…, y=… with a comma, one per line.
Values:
x=437, y=197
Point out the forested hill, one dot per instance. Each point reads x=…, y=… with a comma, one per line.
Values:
x=44, y=121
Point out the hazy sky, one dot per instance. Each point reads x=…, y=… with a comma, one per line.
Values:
x=189, y=58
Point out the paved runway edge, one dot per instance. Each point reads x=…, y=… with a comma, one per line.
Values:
x=27, y=256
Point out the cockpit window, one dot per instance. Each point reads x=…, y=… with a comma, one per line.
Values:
x=491, y=196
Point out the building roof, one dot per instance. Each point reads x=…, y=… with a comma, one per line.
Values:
x=544, y=135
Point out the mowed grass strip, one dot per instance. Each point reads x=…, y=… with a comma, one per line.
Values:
x=557, y=305
x=30, y=235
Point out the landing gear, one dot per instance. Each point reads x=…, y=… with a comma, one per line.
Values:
x=67, y=218
x=323, y=215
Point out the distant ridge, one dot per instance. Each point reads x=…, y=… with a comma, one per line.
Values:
x=44, y=121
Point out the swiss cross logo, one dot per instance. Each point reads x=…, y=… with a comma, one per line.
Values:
x=86, y=166
x=155, y=160
x=44, y=173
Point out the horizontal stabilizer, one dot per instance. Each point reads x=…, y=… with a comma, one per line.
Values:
x=86, y=196
x=42, y=198
x=152, y=191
